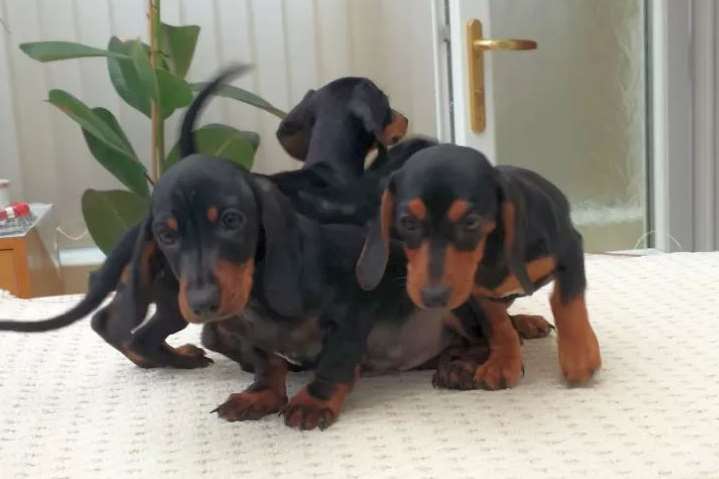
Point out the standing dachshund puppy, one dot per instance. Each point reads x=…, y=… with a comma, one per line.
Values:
x=471, y=230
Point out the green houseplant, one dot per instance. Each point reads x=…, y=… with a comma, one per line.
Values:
x=152, y=79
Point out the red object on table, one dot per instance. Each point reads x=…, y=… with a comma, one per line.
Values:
x=15, y=210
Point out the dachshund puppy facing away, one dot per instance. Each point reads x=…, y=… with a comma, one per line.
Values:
x=473, y=231
x=332, y=130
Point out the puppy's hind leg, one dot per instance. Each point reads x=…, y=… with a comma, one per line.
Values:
x=143, y=343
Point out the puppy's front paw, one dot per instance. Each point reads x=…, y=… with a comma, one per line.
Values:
x=579, y=358
x=250, y=405
x=307, y=412
x=501, y=371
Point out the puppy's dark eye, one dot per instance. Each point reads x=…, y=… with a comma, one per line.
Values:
x=167, y=236
x=472, y=223
x=232, y=220
x=410, y=224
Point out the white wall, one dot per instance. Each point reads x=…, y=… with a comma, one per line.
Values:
x=295, y=44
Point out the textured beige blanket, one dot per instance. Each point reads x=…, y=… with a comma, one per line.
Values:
x=71, y=406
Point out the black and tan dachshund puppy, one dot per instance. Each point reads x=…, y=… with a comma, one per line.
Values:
x=196, y=257
x=223, y=245
x=491, y=234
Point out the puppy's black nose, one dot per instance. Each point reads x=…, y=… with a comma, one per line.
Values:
x=204, y=300
x=435, y=296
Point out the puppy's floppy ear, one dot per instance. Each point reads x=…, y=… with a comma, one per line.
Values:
x=282, y=263
x=372, y=262
x=512, y=216
x=136, y=295
x=295, y=130
x=371, y=106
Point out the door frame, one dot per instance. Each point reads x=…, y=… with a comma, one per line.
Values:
x=685, y=173
x=681, y=122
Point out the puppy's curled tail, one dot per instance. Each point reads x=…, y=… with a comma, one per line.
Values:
x=102, y=283
x=187, y=137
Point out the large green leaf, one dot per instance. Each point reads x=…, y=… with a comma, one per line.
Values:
x=174, y=92
x=137, y=83
x=126, y=168
x=53, y=51
x=88, y=120
x=178, y=44
x=125, y=78
x=244, y=96
x=109, y=214
x=222, y=141
x=145, y=72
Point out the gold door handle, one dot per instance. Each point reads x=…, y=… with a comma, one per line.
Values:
x=476, y=46
x=504, y=44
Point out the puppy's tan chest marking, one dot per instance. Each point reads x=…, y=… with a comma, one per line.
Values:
x=537, y=270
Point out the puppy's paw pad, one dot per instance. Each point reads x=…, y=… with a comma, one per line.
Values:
x=250, y=405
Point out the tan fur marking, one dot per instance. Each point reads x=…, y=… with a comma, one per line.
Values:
x=235, y=283
x=184, y=304
x=268, y=394
x=579, y=355
x=504, y=367
x=171, y=223
x=212, y=214
x=459, y=270
x=396, y=129
x=305, y=411
x=417, y=271
x=417, y=208
x=457, y=209
x=148, y=251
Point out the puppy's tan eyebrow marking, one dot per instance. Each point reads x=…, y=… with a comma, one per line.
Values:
x=171, y=223
x=457, y=209
x=212, y=214
x=417, y=208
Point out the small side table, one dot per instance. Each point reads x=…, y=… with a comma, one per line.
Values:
x=29, y=264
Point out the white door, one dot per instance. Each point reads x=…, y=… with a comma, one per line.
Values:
x=574, y=109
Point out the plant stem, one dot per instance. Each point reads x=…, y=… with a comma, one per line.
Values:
x=158, y=124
